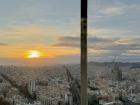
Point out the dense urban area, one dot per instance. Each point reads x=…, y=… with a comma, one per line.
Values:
x=109, y=83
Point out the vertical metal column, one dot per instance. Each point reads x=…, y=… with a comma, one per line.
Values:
x=84, y=95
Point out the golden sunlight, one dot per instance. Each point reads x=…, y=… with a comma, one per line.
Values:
x=33, y=54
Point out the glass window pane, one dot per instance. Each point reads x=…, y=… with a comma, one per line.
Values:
x=39, y=41
x=113, y=45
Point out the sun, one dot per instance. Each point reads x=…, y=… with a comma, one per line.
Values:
x=33, y=54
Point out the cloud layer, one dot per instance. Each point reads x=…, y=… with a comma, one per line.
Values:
x=100, y=46
x=2, y=44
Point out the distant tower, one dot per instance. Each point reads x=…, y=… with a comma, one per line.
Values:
x=117, y=73
x=66, y=99
x=70, y=99
x=32, y=88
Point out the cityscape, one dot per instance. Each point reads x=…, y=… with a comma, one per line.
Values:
x=109, y=83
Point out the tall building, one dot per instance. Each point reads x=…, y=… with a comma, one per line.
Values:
x=70, y=99
x=66, y=99
x=117, y=73
x=32, y=87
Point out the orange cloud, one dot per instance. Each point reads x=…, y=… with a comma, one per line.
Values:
x=20, y=51
x=26, y=31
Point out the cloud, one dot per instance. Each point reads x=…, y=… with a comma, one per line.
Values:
x=3, y=44
x=133, y=53
x=101, y=42
x=107, y=32
x=27, y=30
x=29, y=34
x=67, y=42
x=107, y=11
x=100, y=46
x=111, y=9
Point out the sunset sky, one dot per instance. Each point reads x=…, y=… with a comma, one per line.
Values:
x=52, y=27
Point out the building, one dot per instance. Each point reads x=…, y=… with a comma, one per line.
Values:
x=32, y=88
x=117, y=73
